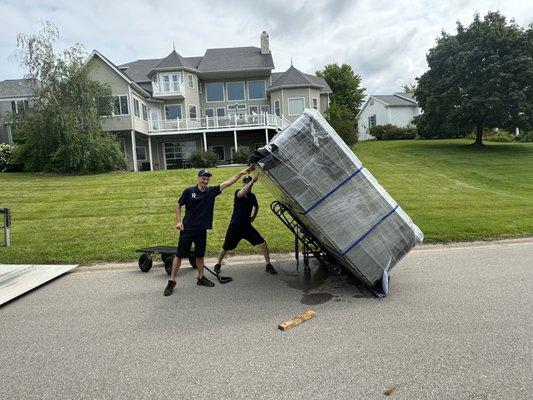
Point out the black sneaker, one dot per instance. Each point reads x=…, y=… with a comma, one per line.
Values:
x=270, y=269
x=217, y=269
x=203, y=281
x=170, y=288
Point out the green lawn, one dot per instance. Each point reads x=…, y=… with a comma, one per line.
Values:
x=453, y=191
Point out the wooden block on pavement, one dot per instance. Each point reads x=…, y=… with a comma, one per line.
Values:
x=297, y=320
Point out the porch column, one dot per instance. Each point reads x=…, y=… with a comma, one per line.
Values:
x=235, y=139
x=205, y=141
x=134, y=151
x=150, y=153
x=266, y=135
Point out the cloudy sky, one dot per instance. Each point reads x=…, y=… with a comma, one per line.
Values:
x=384, y=41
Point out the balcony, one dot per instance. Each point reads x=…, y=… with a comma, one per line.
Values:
x=209, y=124
x=168, y=90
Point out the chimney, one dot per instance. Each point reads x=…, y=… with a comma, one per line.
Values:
x=265, y=46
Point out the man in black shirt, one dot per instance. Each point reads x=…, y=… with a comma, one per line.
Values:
x=199, y=202
x=245, y=210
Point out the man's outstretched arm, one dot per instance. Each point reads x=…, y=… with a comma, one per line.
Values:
x=235, y=178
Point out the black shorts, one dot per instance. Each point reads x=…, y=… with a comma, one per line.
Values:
x=187, y=238
x=235, y=233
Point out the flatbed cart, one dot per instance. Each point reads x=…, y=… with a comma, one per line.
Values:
x=312, y=248
x=167, y=255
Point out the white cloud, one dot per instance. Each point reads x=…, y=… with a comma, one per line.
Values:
x=385, y=42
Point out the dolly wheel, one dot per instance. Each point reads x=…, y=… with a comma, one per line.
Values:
x=167, y=259
x=145, y=262
x=334, y=269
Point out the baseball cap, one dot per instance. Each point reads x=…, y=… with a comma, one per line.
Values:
x=204, y=172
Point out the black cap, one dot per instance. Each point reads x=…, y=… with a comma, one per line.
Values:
x=246, y=179
x=204, y=172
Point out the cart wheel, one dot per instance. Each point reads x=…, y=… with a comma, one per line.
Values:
x=167, y=260
x=145, y=262
x=334, y=268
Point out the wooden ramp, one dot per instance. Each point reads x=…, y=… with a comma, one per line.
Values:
x=18, y=279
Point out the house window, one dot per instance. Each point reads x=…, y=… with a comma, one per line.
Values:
x=254, y=110
x=209, y=112
x=221, y=112
x=239, y=109
x=172, y=111
x=141, y=153
x=371, y=121
x=256, y=90
x=145, y=112
x=173, y=155
x=192, y=112
x=136, y=108
x=265, y=108
x=19, y=106
x=235, y=90
x=121, y=105
x=220, y=151
x=296, y=105
x=277, y=108
x=170, y=83
x=315, y=103
x=190, y=81
x=214, y=91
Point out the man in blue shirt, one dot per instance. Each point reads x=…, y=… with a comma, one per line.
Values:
x=245, y=208
x=199, y=202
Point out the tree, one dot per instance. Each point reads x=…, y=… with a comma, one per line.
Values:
x=61, y=131
x=409, y=88
x=345, y=101
x=479, y=78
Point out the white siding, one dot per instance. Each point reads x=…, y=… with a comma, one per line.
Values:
x=379, y=110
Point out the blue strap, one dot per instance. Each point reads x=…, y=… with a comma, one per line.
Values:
x=334, y=190
x=370, y=230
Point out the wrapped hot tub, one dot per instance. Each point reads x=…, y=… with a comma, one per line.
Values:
x=318, y=178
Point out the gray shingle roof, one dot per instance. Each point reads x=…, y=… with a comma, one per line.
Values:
x=18, y=87
x=235, y=59
x=138, y=70
x=394, y=100
x=172, y=60
x=295, y=77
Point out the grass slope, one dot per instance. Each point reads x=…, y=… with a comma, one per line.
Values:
x=453, y=191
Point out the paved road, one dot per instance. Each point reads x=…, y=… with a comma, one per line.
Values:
x=457, y=325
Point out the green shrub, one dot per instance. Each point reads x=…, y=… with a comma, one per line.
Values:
x=7, y=158
x=524, y=136
x=391, y=132
x=500, y=136
x=203, y=159
x=242, y=155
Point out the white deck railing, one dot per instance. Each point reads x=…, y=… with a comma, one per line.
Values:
x=216, y=123
x=168, y=88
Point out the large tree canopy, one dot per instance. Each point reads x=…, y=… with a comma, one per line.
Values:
x=479, y=78
x=61, y=131
x=345, y=101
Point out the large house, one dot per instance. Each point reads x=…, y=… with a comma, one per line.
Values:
x=397, y=109
x=15, y=96
x=226, y=99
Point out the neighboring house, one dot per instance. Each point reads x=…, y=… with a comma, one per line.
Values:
x=228, y=98
x=15, y=97
x=398, y=109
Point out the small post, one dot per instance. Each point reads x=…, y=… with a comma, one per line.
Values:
x=7, y=223
x=150, y=153
x=235, y=141
x=205, y=141
x=134, y=151
x=266, y=135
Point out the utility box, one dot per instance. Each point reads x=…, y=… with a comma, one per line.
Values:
x=6, y=224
